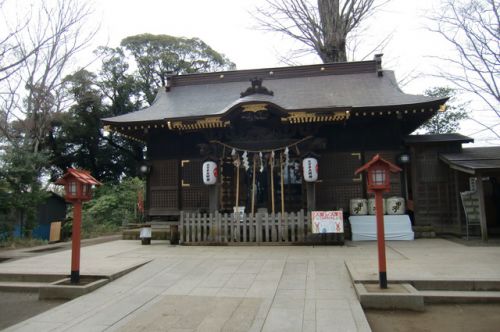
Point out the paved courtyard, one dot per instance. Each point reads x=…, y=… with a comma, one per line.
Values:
x=268, y=288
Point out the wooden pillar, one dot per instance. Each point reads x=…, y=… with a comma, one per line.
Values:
x=458, y=203
x=237, y=201
x=272, y=187
x=213, y=198
x=75, y=242
x=311, y=196
x=282, y=183
x=382, y=266
x=482, y=209
x=254, y=168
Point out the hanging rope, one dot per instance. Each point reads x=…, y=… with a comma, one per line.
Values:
x=237, y=186
x=282, y=170
x=237, y=164
x=265, y=150
x=253, y=183
x=271, y=163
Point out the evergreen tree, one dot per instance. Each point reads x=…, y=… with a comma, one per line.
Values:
x=448, y=121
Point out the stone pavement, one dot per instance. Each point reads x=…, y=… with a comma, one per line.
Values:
x=272, y=288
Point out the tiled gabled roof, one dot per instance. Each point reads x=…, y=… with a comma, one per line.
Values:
x=354, y=85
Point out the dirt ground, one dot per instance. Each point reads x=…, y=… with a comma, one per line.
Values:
x=18, y=306
x=442, y=318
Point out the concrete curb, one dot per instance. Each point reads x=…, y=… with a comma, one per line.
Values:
x=56, y=290
x=68, y=292
x=412, y=300
x=417, y=293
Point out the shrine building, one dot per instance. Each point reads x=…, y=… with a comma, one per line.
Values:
x=237, y=140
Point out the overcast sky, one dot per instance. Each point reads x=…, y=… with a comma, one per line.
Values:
x=229, y=28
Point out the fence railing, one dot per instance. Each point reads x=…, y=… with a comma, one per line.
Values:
x=251, y=228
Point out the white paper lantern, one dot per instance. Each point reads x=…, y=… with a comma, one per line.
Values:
x=209, y=172
x=310, y=169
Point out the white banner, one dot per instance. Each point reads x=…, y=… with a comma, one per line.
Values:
x=327, y=222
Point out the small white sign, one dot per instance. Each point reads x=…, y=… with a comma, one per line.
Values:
x=239, y=213
x=327, y=222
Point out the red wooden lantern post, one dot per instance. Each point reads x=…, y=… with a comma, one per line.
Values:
x=379, y=182
x=78, y=188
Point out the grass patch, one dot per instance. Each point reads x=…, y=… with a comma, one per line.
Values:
x=92, y=230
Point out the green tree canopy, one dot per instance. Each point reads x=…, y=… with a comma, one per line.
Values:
x=448, y=121
x=20, y=187
x=157, y=56
x=77, y=139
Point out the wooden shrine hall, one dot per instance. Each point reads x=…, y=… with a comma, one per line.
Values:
x=238, y=141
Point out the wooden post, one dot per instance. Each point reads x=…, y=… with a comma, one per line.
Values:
x=212, y=198
x=272, y=185
x=237, y=186
x=253, y=183
x=311, y=196
x=75, y=242
x=382, y=268
x=482, y=209
x=457, y=201
x=282, y=186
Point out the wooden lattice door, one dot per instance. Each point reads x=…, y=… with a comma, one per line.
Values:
x=338, y=183
x=194, y=195
x=164, y=187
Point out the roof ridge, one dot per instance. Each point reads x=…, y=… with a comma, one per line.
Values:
x=324, y=69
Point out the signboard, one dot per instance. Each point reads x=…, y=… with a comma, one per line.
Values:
x=239, y=213
x=327, y=222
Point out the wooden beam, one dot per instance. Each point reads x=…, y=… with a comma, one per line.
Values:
x=482, y=209
x=311, y=196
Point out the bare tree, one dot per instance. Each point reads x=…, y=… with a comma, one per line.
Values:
x=11, y=59
x=323, y=28
x=472, y=29
x=44, y=46
x=37, y=52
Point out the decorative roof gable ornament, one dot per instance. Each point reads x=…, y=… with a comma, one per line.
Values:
x=256, y=88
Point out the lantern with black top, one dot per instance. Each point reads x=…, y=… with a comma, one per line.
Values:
x=378, y=181
x=78, y=188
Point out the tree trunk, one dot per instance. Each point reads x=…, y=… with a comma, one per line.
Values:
x=332, y=24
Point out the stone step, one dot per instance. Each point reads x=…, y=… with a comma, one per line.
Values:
x=433, y=296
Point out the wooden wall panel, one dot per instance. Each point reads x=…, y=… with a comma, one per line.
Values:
x=194, y=195
x=164, y=187
x=337, y=181
x=434, y=191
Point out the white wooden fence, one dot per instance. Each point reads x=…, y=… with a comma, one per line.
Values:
x=217, y=228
